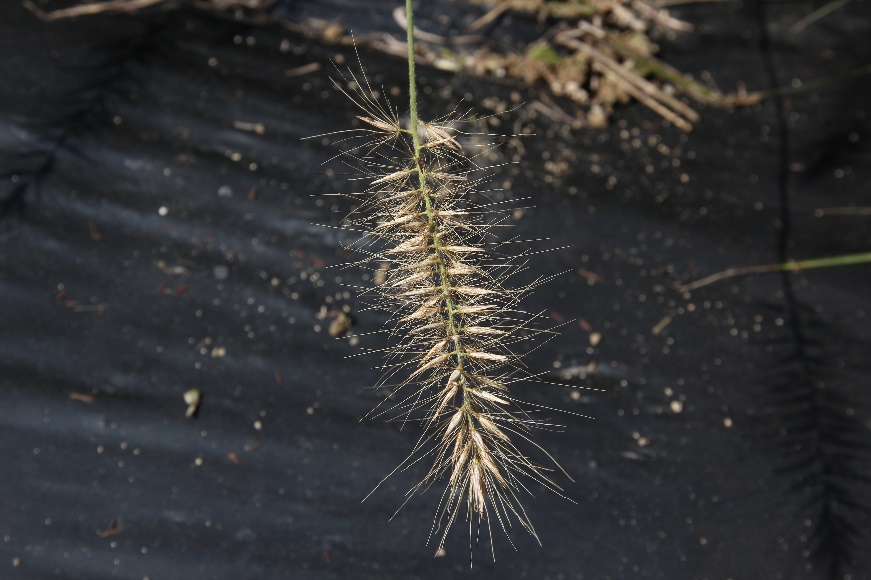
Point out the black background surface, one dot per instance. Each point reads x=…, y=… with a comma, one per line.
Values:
x=763, y=472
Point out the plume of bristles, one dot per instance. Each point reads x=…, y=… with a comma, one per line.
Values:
x=452, y=320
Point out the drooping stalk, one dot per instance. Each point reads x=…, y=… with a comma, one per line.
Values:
x=444, y=279
x=454, y=320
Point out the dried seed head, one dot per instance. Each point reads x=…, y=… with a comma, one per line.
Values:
x=459, y=463
x=484, y=330
x=490, y=466
x=453, y=423
x=395, y=176
x=488, y=396
x=479, y=442
x=491, y=428
x=449, y=393
x=454, y=320
x=488, y=356
x=436, y=136
x=473, y=291
x=477, y=497
x=387, y=127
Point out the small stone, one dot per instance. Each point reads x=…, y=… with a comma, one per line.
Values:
x=192, y=397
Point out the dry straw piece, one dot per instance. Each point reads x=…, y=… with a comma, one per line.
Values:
x=453, y=319
x=596, y=56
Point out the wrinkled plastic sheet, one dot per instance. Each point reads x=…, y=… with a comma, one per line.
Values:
x=153, y=241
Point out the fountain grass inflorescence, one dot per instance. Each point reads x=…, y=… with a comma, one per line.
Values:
x=453, y=320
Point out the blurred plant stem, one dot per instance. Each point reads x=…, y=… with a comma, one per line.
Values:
x=791, y=266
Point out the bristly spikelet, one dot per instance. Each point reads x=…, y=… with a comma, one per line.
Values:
x=452, y=322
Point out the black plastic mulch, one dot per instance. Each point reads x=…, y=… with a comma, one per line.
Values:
x=153, y=241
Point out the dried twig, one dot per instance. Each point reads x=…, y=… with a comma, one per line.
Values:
x=92, y=8
x=609, y=61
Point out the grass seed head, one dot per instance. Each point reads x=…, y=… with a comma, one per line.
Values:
x=432, y=241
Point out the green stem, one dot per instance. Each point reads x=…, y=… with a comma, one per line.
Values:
x=792, y=266
x=444, y=279
x=412, y=78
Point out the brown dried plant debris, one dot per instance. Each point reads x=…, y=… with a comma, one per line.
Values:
x=46, y=11
x=598, y=55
